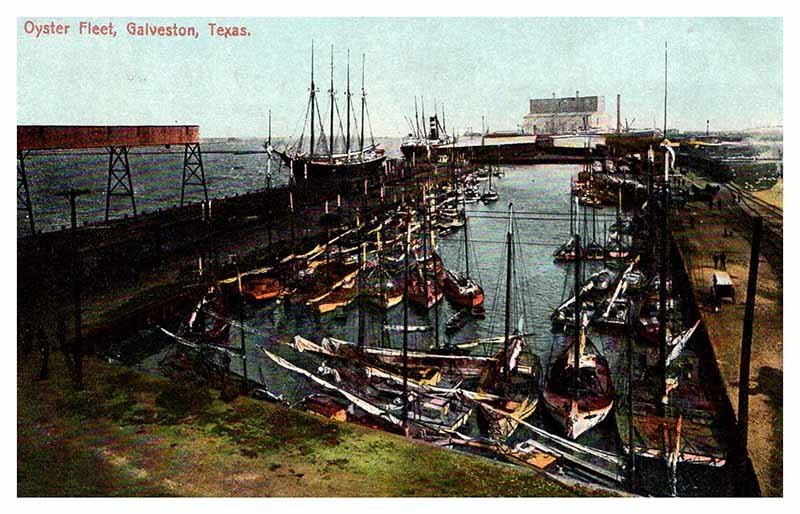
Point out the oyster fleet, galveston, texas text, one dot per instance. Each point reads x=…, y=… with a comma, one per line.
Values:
x=108, y=29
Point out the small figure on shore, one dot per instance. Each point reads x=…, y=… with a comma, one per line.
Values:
x=716, y=260
x=27, y=339
x=44, y=348
x=722, y=261
x=716, y=303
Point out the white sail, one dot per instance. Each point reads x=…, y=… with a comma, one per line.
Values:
x=361, y=403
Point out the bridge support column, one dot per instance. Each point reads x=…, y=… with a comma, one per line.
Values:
x=193, y=173
x=119, y=177
x=23, y=193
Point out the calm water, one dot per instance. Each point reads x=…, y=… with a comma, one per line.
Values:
x=533, y=189
x=156, y=174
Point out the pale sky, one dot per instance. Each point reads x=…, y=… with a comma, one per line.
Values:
x=728, y=70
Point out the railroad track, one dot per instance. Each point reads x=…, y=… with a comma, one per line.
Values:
x=772, y=215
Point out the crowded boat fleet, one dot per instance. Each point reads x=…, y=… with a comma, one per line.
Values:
x=479, y=392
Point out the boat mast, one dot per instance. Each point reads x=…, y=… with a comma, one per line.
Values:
x=349, y=95
x=466, y=239
x=268, y=177
x=662, y=286
x=665, y=89
x=571, y=216
x=630, y=441
x=416, y=116
x=424, y=120
x=405, y=321
x=430, y=206
x=332, y=100
x=444, y=122
x=509, y=279
x=312, y=101
x=360, y=286
x=578, y=321
x=363, y=104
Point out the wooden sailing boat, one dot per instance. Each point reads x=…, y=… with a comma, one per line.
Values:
x=423, y=287
x=566, y=252
x=579, y=392
x=518, y=391
x=314, y=163
x=381, y=289
x=490, y=194
x=594, y=251
x=462, y=290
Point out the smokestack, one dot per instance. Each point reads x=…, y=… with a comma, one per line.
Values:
x=707, y=131
x=619, y=120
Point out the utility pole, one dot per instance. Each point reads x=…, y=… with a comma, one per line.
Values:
x=747, y=335
x=75, y=282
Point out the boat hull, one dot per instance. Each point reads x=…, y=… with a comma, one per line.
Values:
x=571, y=418
x=262, y=289
x=500, y=423
x=468, y=298
x=416, y=153
x=310, y=169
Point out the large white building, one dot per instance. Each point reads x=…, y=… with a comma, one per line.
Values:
x=566, y=115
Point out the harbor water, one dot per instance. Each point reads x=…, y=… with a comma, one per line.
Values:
x=540, y=194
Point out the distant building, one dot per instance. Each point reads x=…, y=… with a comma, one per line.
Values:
x=567, y=115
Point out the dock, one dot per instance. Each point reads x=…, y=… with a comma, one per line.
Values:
x=699, y=232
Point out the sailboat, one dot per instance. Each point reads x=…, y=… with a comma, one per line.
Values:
x=594, y=251
x=462, y=290
x=382, y=290
x=423, y=287
x=490, y=194
x=517, y=390
x=579, y=392
x=566, y=252
x=316, y=162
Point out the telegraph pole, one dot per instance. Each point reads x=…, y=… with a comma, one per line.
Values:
x=75, y=283
x=747, y=335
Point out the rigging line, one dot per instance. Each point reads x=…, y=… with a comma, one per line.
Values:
x=341, y=127
x=496, y=297
x=321, y=130
x=372, y=138
x=497, y=241
x=527, y=213
x=299, y=146
x=528, y=219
